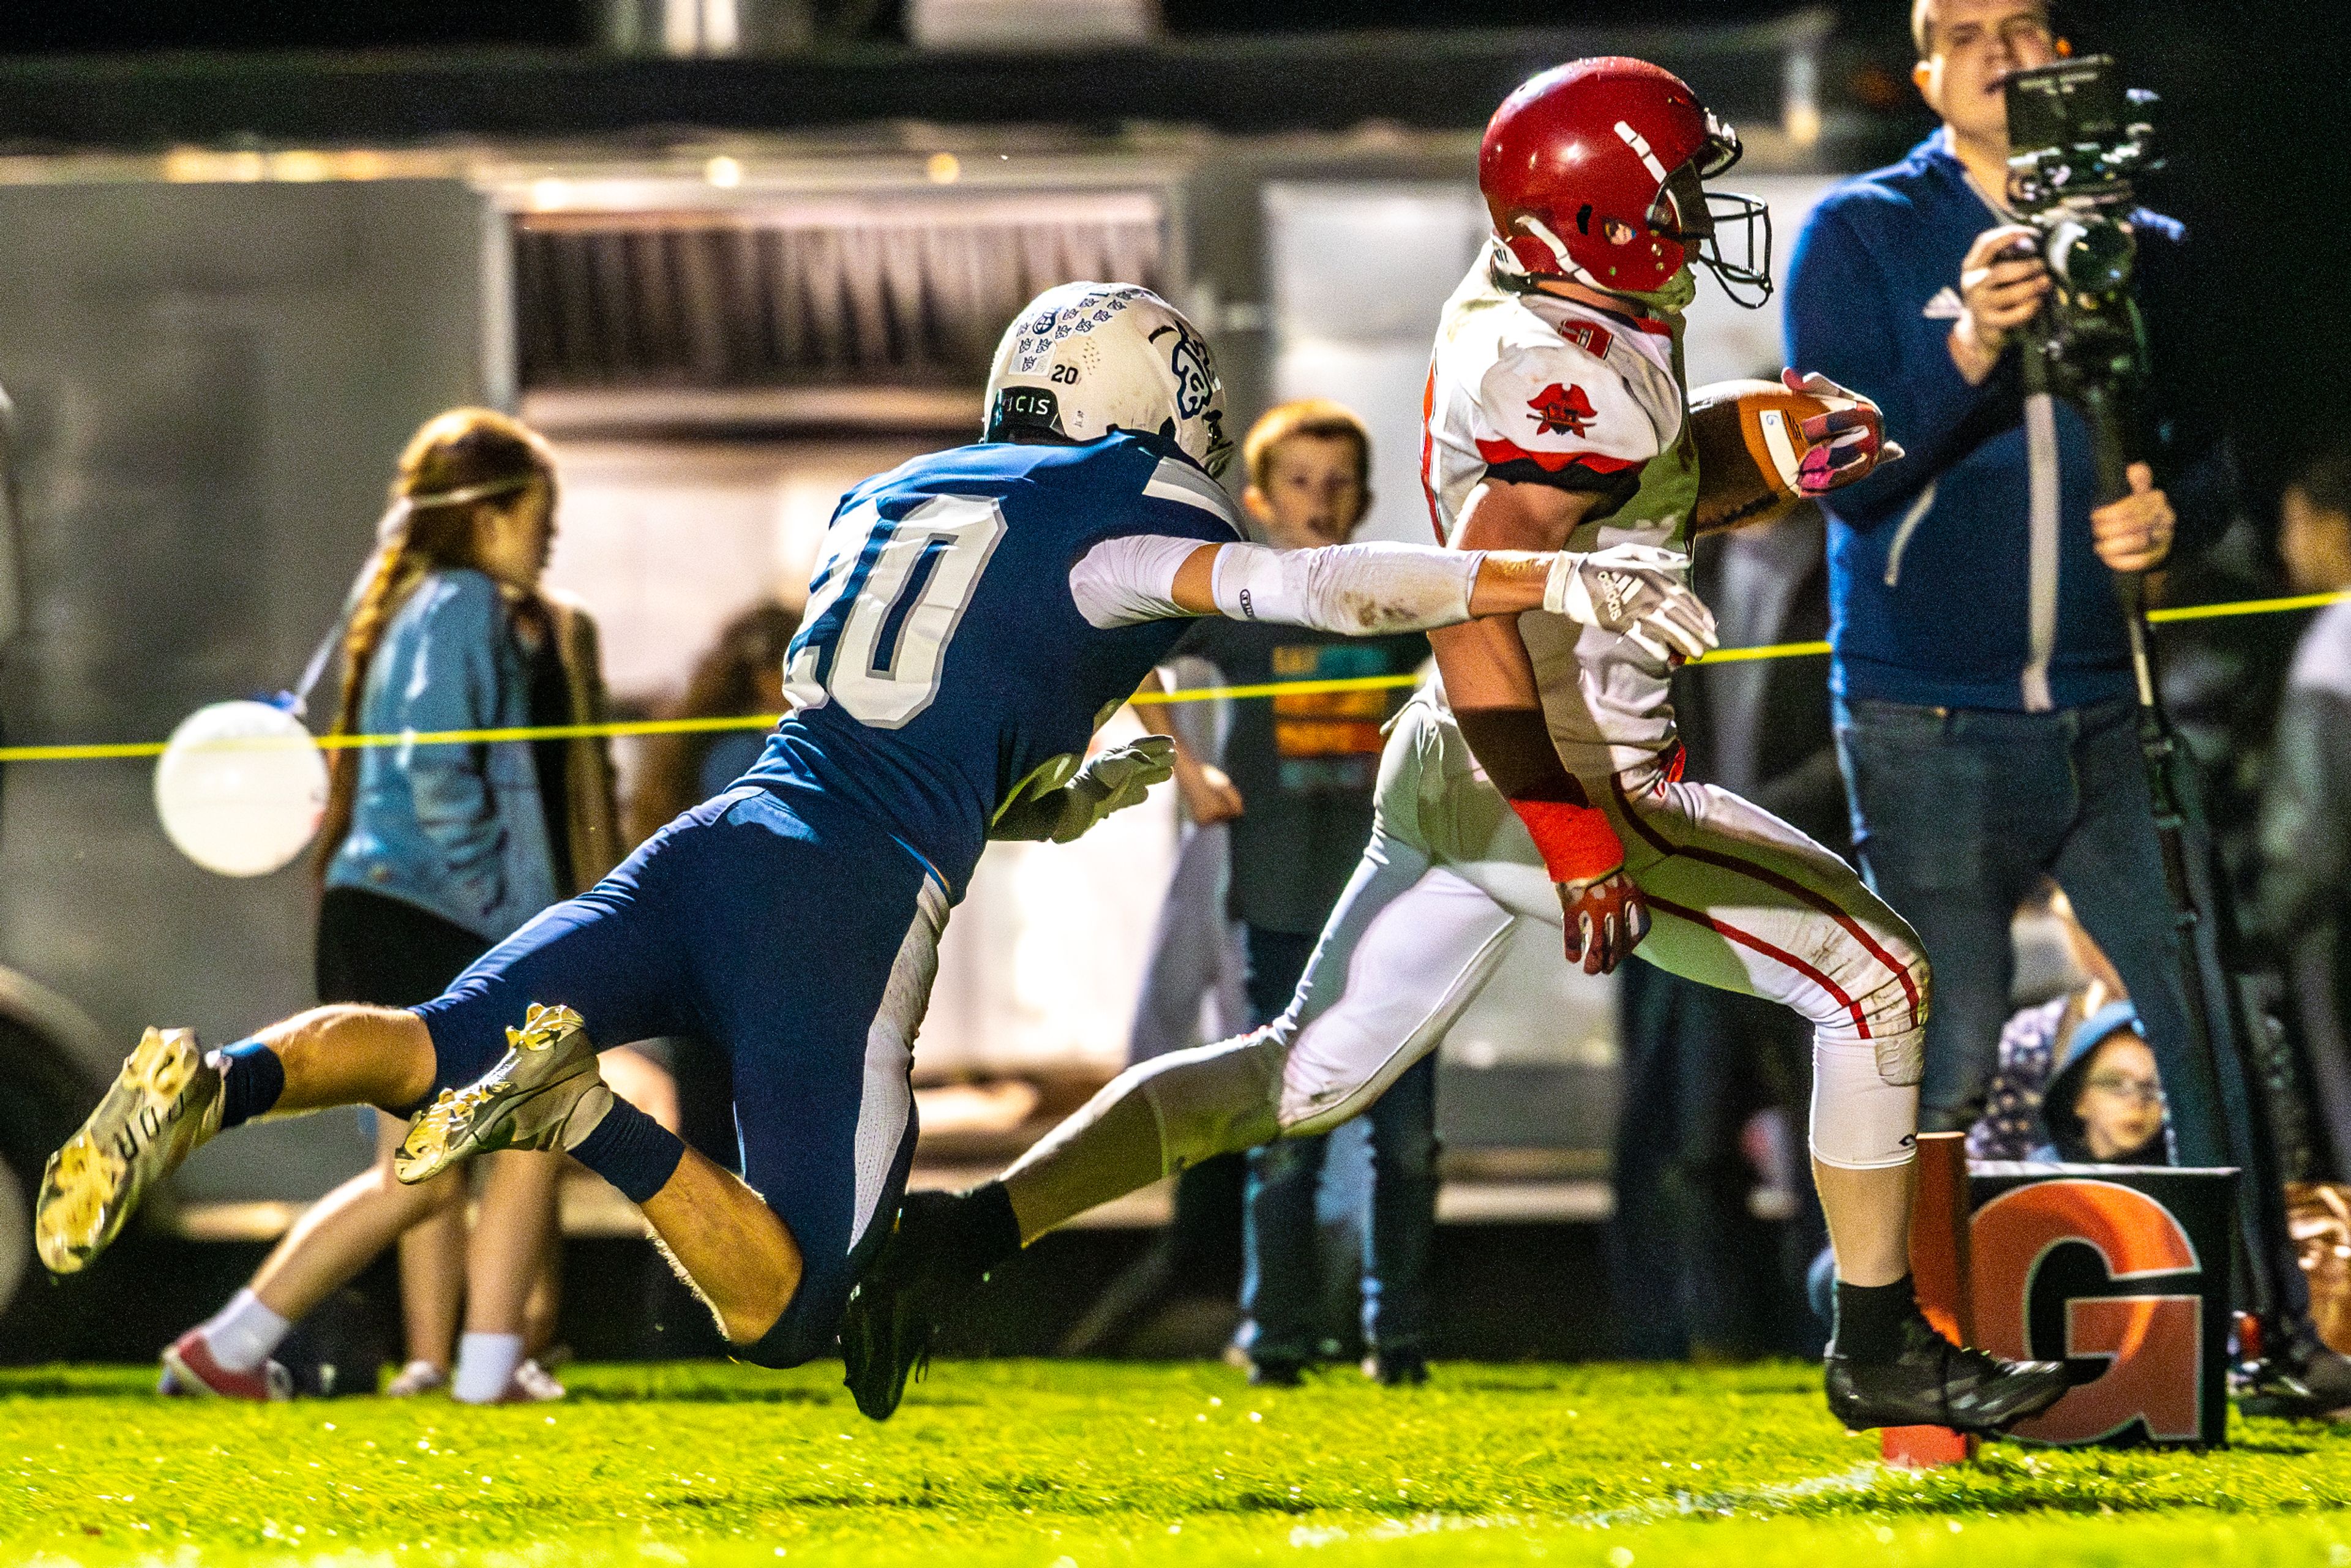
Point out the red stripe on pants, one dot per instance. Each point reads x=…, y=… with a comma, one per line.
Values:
x=1701, y=917
x=1773, y=879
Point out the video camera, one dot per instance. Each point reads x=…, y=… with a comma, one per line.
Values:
x=2076, y=138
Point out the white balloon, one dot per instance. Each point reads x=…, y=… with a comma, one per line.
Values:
x=241, y=788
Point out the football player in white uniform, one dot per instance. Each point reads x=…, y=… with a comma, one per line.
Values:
x=1542, y=780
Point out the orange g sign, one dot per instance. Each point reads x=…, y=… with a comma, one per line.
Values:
x=2144, y=1298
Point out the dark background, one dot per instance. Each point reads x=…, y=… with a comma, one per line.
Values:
x=2256, y=123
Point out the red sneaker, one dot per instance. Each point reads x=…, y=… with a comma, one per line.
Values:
x=190, y=1369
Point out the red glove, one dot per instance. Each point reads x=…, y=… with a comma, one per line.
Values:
x=1846, y=442
x=1605, y=921
x=1605, y=916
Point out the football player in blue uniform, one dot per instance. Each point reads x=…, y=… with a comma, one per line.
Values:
x=975, y=614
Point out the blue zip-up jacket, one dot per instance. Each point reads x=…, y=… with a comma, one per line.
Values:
x=458, y=831
x=1962, y=576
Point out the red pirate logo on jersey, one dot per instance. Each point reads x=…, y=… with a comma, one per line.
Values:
x=1561, y=411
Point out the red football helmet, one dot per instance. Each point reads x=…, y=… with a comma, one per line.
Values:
x=1593, y=170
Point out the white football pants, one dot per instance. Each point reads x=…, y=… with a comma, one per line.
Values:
x=1738, y=900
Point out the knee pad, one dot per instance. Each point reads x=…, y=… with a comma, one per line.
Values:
x=1894, y=1010
x=1860, y=1121
x=1217, y=1099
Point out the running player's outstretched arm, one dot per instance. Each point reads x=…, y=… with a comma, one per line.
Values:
x=1490, y=682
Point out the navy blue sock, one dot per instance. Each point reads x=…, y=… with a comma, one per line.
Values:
x=632, y=1151
x=252, y=1078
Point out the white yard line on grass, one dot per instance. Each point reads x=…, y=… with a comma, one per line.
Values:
x=1681, y=1505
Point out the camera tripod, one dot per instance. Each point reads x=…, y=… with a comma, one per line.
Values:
x=2221, y=1022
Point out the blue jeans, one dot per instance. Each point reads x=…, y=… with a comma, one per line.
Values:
x=1956, y=815
x=1279, y=1251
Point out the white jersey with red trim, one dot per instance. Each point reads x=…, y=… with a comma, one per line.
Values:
x=1533, y=387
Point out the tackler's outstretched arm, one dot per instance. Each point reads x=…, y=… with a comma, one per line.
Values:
x=1372, y=589
x=1365, y=589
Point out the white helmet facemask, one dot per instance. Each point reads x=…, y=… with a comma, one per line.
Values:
x=1085, y=358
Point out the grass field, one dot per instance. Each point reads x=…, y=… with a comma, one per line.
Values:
x=1079, y=1465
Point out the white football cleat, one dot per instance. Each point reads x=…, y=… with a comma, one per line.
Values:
x=165, y=1103
x=545, y=1094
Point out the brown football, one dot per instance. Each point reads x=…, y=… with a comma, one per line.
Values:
x=1750, y=440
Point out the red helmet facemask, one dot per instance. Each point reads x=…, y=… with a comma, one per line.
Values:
x=1596, y=171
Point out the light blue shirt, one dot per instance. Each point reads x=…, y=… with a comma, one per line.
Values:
x=458, y=831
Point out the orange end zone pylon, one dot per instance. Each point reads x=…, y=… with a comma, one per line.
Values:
x=1939, y=1267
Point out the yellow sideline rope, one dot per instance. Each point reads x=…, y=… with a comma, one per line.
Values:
x=110, y=752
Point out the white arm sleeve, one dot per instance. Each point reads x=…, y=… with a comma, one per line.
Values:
x=1130, y=579
x=1352, y=590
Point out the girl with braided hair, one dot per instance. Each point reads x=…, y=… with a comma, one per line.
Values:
x=429, y=855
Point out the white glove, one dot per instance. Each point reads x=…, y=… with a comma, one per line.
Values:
x=1116, y=777
x=1637, y=590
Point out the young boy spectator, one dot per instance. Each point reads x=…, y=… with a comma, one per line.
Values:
x=1305, y=767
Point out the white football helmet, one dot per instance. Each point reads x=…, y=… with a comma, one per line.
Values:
x=1086, y=359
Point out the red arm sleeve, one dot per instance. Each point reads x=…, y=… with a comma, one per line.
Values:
x=1513, y=744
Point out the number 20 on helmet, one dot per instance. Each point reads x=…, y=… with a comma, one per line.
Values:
x=1085, y=358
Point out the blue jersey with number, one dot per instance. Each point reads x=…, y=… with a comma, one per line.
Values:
x=942, y=662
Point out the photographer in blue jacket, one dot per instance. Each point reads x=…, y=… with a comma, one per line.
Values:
x=1985, y=716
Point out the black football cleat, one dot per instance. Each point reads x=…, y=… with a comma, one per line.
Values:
x=896, y=1303
x=1276, y=1372
x=2304, y=1382
x=1934, y=1383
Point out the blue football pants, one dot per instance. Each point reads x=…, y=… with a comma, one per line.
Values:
x=802, y=941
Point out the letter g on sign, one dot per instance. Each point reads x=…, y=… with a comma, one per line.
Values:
x=2154, y=1344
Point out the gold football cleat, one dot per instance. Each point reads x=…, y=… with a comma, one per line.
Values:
x=165, y=1103
x=545, y=1094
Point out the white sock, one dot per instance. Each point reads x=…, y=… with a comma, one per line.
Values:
x=242, y=1334
x=486, y=1365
